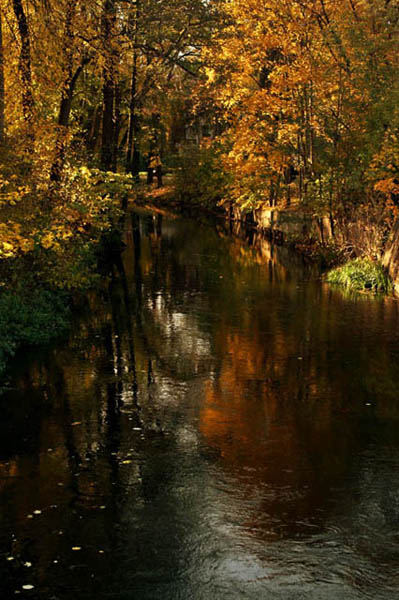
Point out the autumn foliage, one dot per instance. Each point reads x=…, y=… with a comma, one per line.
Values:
x=293, y=103
x=89, y=94
x=309, y=91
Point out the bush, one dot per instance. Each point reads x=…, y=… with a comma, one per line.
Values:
x=28, y=319
x=361, y=274
x=50, y=240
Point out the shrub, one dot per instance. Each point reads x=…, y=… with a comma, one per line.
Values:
x=361, y=274
x=30, y=318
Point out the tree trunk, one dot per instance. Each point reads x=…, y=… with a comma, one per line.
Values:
x=63, y=124
x=67, y=92
x=150, y=169
x=25, y=68
x=108, y=129
x=391, y=257
x=2, y=105
x=117, y=126
x=159, y=176
x=92, y=142
x=150, y=172
x=133, y=153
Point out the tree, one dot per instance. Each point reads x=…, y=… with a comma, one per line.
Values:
x=25, y=67
x=2, y=93
x=302, y=86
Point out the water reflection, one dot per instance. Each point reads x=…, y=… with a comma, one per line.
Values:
x=220, y=424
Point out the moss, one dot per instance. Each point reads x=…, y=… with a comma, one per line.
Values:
x=361, y=274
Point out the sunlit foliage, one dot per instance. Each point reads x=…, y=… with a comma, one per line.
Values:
x=310, y=93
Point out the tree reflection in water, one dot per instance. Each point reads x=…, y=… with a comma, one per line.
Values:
x=219, y=424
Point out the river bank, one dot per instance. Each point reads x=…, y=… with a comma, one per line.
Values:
x=42, y=291
x=36, y=305
x=329, y=242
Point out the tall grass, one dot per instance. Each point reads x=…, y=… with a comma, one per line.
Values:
x=361, y=274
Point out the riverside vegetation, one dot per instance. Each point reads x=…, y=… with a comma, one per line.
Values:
x=284, y=105
x=361, y=274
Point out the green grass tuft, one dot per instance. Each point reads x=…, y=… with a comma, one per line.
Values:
x=361, y=274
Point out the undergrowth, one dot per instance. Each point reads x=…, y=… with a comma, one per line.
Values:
x=30, y=318
x=361, y=274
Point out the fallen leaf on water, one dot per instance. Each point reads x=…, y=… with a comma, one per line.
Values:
x=10, y=558
x=28, y=586
x=37, y=512
x=28, y=564
x=126, y=462
x=76, y=423
x=76, y=548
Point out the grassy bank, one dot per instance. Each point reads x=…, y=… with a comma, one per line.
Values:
x=361, y=274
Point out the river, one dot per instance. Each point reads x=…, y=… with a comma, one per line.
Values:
x=219, y=424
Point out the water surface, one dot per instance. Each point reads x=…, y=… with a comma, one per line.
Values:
x=219, y=425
